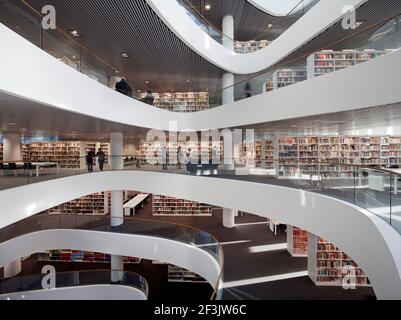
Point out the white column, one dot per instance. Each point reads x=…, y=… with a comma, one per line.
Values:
x=117, y=163
x=228, y=42
x=12, y=151
x=228, y=32
x=117, y=200
x=12, y=269
x=228, y=88
x=229, y=217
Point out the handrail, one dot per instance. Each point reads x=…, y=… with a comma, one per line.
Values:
x=282, y=161
x=188, y=4
x=218, y=93
x=87, y=219
x=142, y=284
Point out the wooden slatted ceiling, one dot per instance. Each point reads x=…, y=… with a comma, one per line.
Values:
x=156, y=54
x=250, y=22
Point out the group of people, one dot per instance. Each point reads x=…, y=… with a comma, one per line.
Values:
x=187, y=157
x=92, y=155
x=124, y=88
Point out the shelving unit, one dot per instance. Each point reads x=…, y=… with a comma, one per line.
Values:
x=250, y=46
x=264, y=154
x=297, y=241
x=167, y=206
x=327, y=265
x=96, y=204
x=177, y=274
x=286, y=77
x=69, y=155
x=328, y=61
x=181, y=101
x=80, y=256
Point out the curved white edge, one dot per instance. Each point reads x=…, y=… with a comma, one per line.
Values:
x=278, y=8
x=322, y=16
x=371, y=242
x=95, y=292
x=32, y=74
x=128, y=245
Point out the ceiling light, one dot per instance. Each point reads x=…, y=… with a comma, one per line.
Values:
x=147, y=82
x=75, y=33
x=124, y=55
x=12, y=124
x=208, y=7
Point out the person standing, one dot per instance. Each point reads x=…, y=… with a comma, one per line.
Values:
x=164, y=158
x=89, y=160
x=101, y=158
x=149, y=98
x=124, y=88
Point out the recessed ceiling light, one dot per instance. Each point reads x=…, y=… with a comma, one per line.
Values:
x=117, y=71
x=147, y=82
x=124, y=55
x=75, y=33
x=208, y=7
x=11, y=123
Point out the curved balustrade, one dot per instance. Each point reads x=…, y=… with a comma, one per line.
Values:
x=296, y=12
x=369, y=42
x=370, y=187
x=8, y=287
x=140, y=227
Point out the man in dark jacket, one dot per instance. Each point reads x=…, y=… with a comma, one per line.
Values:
x=124, y=88
x=149, y=98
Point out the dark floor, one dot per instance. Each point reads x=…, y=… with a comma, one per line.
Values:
x=240, y=263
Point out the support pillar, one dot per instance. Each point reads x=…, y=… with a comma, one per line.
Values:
x=12, y=151
x=117, y=201
x=228, y=42
x=12, y=269
x=229, y=217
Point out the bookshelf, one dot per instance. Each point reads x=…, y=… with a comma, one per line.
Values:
x=168, y=206
x=95, y=204
x=297, y=241
x=80, y=256
x=69, y=155
x=177, y=274
x=250, y=46
x=286, y=77
x=264, y=154
x=328, y=61
x=327, y=264
x=181, y=101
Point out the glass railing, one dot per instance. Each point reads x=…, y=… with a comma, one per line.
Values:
x=367, y=43
x=374, y=188
x=171, y=231
x=74, y=279
x=272, y=31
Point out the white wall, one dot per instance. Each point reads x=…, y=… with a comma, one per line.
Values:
x=26, y=71
x=323, y=15
x=371, y=242
x=128, y=245
x=98, y=292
